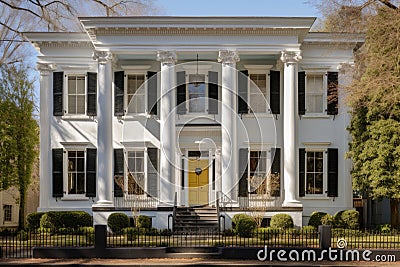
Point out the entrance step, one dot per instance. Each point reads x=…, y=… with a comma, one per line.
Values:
x=196, y=220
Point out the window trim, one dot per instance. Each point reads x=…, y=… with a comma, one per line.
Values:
x=68, y=196
x=268, y=166
x=324, y=175
x=145, y=159
x=189, y=72
x=65, y=94
x=265, y=72
x=146, y=112
x=10, y=213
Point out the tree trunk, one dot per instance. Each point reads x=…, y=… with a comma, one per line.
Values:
x=394, y=212
x=22, y=205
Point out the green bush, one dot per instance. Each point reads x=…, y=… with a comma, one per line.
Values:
x=33, y=220
x=315, y=218
x=327, y=220
x=151, y=232
x=267, y=233
x=228, y=232
x=118, y=221
x=385, y=228
x=237, y=217
x=281, y=221
x=309, y=229
x=340, y=232
x=65, y=219
x=88, y=232
x=143, y=221
x=165, y=232
x=22, y=236
x=347, y=219
x=245, y=226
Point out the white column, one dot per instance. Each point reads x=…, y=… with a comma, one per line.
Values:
x=167, y=127
x=45, y=137
x=104, y=128
x=229, y=150
x=290, y=176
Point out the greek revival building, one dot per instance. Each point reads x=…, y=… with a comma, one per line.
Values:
x=242, y=114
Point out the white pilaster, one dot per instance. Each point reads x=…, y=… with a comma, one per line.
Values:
x=290, y=177
x=167, y=127
x=104, y=128
x=46, y=78
x=229, y=149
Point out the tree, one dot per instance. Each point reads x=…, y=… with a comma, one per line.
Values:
x=20, y=130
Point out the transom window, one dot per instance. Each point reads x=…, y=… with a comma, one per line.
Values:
x=136, y=174
x=258, y=93
x=197, y=93
x=315, y=93
x=76, y=172
x=314, y=172
x=76, y=94
x=258, y=172
x=7, y=209
x=135, y=93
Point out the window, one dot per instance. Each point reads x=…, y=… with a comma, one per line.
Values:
x=258, y=172
x=258, y=93
x=197, y=93
x=314, y=172
x=315, y=93
x=76, y=94
x=7, y=213
x=76, y=173
x=136, y=99
x=136, y=173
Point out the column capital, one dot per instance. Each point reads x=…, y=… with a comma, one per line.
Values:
x=45, y=68
x=228, y=56
x=291, y=57
x=103, y=57
x=166, y=57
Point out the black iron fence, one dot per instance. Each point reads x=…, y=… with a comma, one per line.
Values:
x=20, y=244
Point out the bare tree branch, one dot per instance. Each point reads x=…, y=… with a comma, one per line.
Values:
x=388, y=4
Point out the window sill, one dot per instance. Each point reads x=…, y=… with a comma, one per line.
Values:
x=74, y=198
x=138, y=116
x=316, y=198
x=77, y=118
x=258, y=115
x=316, y=116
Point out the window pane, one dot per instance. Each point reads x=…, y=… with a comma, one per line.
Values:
x=314, y=103
x=80, y=164
x=80, y=183
x=72, y=164
x=318, y=183
x=71, y=183
x=80, y=84
x=72, y=104
x=197, y=93
x=136, y=94
x=310, y=183
x=71, y=85
x=310, y=162
x=80, y=104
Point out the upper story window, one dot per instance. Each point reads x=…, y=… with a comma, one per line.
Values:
x=315, y=93
x=197, y=93
x=258, y=93
x=7, y=209
x=135, y=93
x=76, y=94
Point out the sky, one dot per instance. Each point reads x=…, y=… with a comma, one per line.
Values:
x=278, y=8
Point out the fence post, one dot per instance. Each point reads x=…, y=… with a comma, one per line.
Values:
x=325, y=235
x=100, y=237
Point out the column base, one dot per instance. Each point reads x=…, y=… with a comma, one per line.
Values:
x=292, y=204
x=103, y=203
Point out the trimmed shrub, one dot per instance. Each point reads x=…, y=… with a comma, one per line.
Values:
x=347, y=219
x=315, y=218
x=309, y=229
x=385, y=228
x=22, y=236
x=237, y=217
x=118, y=221
x=165, y=232
x=65, y=219
x=143, y=221
x=245, y=226
x=281, y=221
x=228, y=232
x=151, y=232
x=267, y=233
x=33, y=220
x=131, y=233
x=327, y=220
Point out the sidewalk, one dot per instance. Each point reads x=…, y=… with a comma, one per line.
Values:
x=175, y=262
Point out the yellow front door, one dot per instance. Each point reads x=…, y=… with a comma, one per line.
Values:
x=198, y=184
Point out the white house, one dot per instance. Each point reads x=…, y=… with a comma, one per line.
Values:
x=144, y=113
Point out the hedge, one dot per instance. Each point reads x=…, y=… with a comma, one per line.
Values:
x=315, y=218
x=65, y=219
x=33, y=220
x=118, y=221
x=281, y=221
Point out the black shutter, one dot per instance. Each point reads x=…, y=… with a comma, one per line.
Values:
x=118, y=171
x=275, y=89
x=212, y=92
x=58, y=84
x=119, y=77
x=332, y=93
x=333, y=172
x=302, y=172
x=181, y=92
x=91, y=163
x=276, y=170
x=152, y=173
x=302, y=92
x=242, y=92
x=243, y=163
x=91, y=109
x=152, y=92
x=58, y=155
